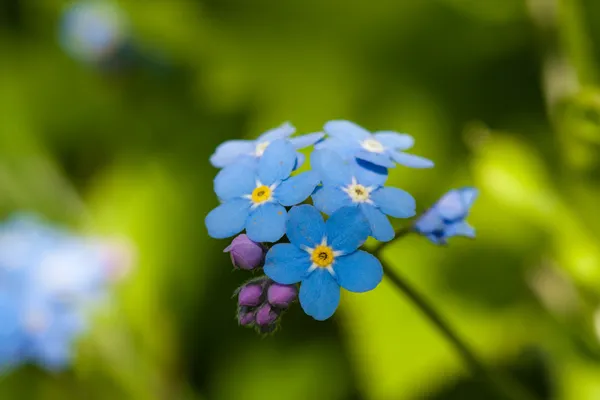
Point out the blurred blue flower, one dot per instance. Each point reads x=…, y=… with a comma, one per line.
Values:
x=345, y=185
x=249, y=151
x=93, y=31
x=49, y=279
x=447, y=217
x=255, y=198
x=324, y=256
x=383, y=148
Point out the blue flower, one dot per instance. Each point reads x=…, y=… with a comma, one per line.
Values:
x=447, y=217
x=383, y=148
x=324, y=256
x=249, y=151
x=345, y=185
x=255, y=198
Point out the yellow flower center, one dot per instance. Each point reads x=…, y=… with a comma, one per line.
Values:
x=322, y=256
x=261, y=194
x=358, y=193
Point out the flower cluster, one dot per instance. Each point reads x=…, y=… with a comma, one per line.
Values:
x=261, y=193
x=49, y=279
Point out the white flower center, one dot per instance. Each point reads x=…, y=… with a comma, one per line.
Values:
x=358, y=193
x=260, y=148
x=372, y=145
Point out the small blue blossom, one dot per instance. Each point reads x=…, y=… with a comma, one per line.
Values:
x=255, y=198
x=344, y=185
x=383, y=148
x=249, y=151
x=447, y=217
x=324, y=257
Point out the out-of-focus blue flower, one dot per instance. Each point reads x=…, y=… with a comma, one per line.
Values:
x=93, y=31
x=49, y=279
x=249, y=151
x=324, y=256
x=347, y=186
x=383, y=148
x=255, y=199
x=447, y=217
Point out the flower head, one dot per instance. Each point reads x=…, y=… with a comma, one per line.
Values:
x=447, y=217
x=344, y=185
x=246, y=254
x=324, y=257
x=255, y=199
x=383, y=148
x=249, y=152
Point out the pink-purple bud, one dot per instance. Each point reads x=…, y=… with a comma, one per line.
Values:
x=246, y=318
x=245, y=253
x=250, y=295
x=281, y=295
x=265, y=315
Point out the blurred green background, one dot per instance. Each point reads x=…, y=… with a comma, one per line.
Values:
x=501, y=94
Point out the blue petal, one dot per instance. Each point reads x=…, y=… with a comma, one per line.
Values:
x=319, y=294
x=347, y=229
x=451, y=206
x=296, y=189
x=381, y=228
x=369, y=174
x=329, y=199
x=300, y=158
x=461, y=229
x=332, y=168
x=277, y=162
x=305, y=226
x=410, y=160
x=358, y=272
x=343, y=149
x=227, y=219
x=235, y=181
x=266, y=223
x=395, y=202
x=468, y=194
x=394, y=140
x=303, y=141
x=346, y=130
x=229, y=152
x=429, y=222
x=281, y=132
x=381, y=159
x=286, y=264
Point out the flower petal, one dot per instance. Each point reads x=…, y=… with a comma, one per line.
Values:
x=381, y=228
x=410, y=160
x=319, y=294
x=369, y=174
x=266, y=223
x=395, y=202
x=300, y=142
x=451, y=206
x=331, y=167
x=345, y=150
x=469, y=195
x=277, y=162
x=227, y=219
x=381, y=159
x=228, y=153
x=429, y=222
x=347, y=229
x=286, y=264
x=305, y=226
x=300, y=158
x=281, y=132
x=394, y=140
x=346, y=130
x=296, y=189
x=461, y=229
x=235, y=180
x=358, y=272
x=329, y=199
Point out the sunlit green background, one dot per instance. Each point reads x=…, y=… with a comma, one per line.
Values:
x=500, y=93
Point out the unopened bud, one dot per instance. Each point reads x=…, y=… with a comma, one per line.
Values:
x=245, y=253
x=265, y=315
x=250, y=295
x=281, y=295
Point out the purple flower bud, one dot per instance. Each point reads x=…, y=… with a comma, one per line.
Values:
x=281, y=295
x=245, y=318
x=250, y=295
x=245, y=253
x=265, y=315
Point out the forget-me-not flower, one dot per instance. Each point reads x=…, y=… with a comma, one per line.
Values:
x=382, y=148
x=324, y=256
x=255, y=198
x=344, y=186
x=249, y=151
x=447, y=217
